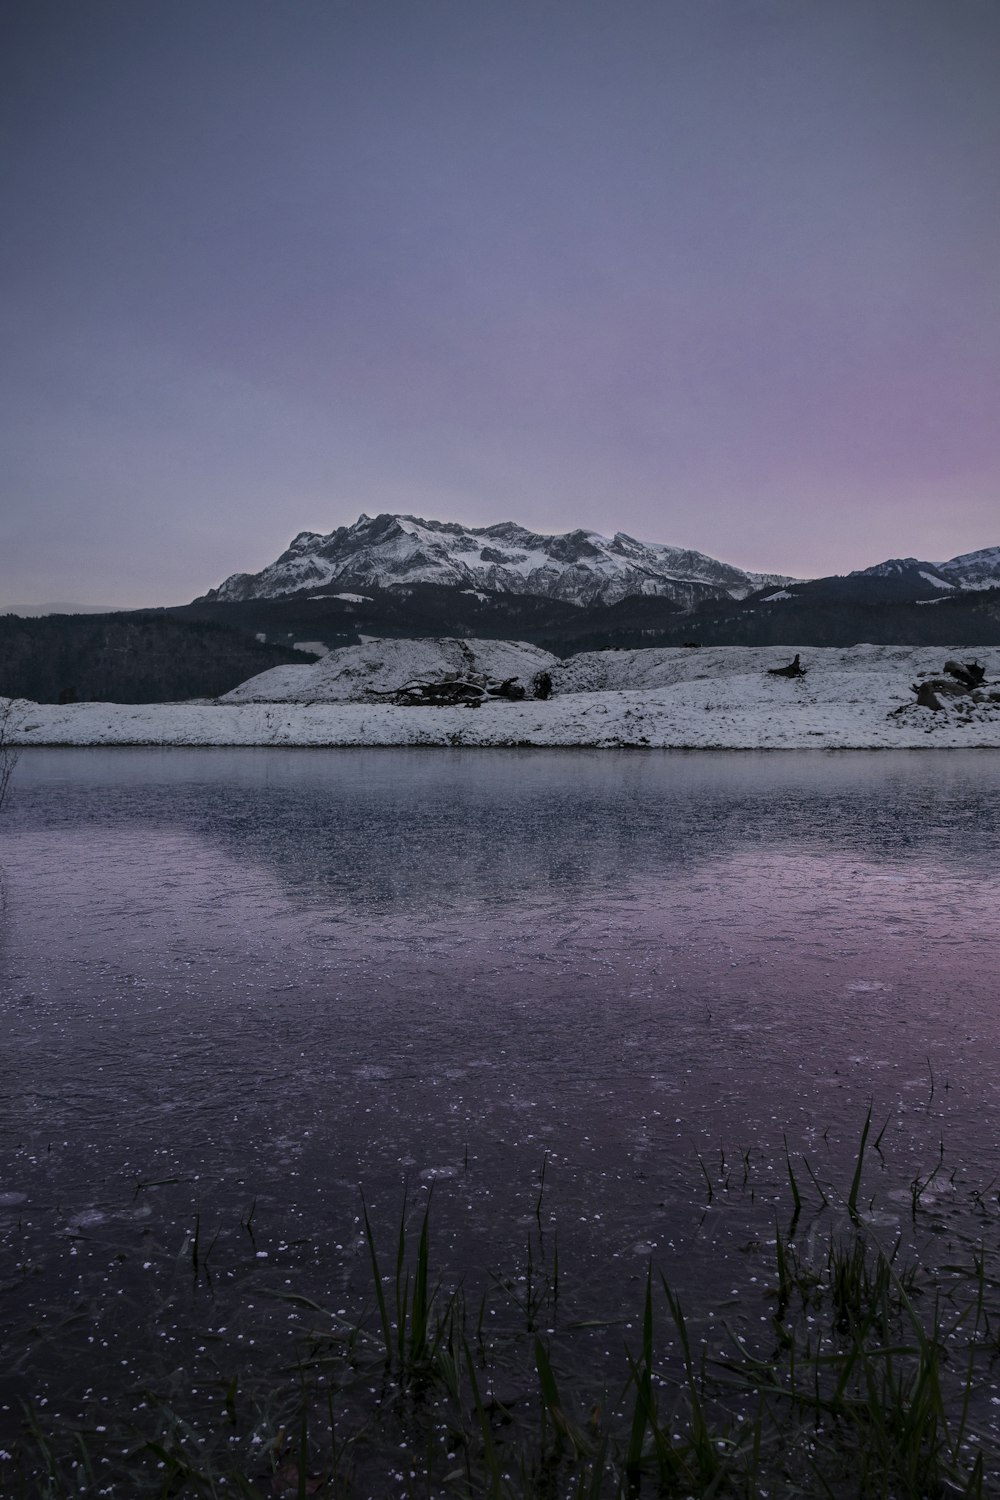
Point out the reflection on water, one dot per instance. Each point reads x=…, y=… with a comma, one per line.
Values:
x=267, y=976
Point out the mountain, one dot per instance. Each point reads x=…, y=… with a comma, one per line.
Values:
x=578, y=567
x=400, y=578
x=974, y=570
x=900, y=580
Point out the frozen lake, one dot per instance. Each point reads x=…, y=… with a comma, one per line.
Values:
x=241, y=983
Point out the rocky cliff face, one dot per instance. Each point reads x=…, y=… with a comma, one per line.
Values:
x=579, y=567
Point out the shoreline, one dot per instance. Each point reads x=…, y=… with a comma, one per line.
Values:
x=613, y=721
x=715, y=698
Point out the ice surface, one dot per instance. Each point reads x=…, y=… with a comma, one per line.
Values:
x=239, y=984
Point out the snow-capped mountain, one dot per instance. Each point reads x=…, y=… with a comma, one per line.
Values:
x=580, y=567
x=974, y=570
x=898, y=567
x=913, y=577
x=901, y=578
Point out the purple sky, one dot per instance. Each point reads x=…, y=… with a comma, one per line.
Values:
x=720, y=273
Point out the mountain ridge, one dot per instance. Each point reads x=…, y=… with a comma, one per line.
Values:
x=580, y=566
x=584, y=568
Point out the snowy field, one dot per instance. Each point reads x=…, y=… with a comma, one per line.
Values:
x=709, y=698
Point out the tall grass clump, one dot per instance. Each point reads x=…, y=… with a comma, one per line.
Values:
x=860, y=1370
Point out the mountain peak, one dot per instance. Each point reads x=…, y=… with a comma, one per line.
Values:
x=580, y=566
x=890, y=566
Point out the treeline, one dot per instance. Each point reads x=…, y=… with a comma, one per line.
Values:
x=408, y=612
x=203, y=650
x=135, y=657
x=811, y=618
x=817, y=614
x=819, y=618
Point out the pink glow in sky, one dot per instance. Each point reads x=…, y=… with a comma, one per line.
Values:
x=719, y=273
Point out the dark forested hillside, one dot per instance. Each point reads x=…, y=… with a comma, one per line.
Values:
x=814, y=614
x=134, y=657
x=410, y=611
x=201, y=650
x=812, y=619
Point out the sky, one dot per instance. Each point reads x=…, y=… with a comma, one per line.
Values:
x=718, y=273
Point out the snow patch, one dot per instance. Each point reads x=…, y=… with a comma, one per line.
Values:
x=938, y=583
x=356, y=674
x=348, y=598
x=669, y=698
x=975, y=570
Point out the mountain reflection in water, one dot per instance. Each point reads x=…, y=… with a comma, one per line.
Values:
x=273, y=975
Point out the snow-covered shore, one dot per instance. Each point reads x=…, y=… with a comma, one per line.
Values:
x=711, y=698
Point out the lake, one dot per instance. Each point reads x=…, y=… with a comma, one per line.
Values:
x=239, y=987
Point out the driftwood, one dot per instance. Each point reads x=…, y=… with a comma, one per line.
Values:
x=792, y=670
x=510, y=688
x=439, y=694
x=452, y=691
